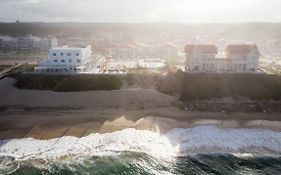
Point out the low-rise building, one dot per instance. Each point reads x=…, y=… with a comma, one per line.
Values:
x=8, y=43
x=30, y=43
x=27, y=43
x=152, y=63
x=123, y=51
x=66, y=60
x=236, y=58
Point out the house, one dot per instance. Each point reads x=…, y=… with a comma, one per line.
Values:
x=66, y=60
x=236, y=58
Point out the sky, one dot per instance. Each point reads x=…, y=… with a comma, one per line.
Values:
x=183, y=11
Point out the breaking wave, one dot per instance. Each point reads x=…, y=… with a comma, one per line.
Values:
x=169, y=146
x=177, y=142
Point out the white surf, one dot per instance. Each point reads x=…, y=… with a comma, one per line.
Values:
x=177, y=142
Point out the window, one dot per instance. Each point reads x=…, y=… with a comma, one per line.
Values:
x=69, y=54
x=54, y=54
x=78, y=61
x=70, y=60
x=61, y=54
x=63, y=61
x=55, y=61
x=77, y=54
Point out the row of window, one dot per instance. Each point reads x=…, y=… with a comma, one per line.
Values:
x=68, y=54
x=63, y=61
x=65, y=70
x=210, y=67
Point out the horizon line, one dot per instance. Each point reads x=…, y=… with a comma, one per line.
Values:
x=154, y=22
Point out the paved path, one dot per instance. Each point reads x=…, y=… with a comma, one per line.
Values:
x=5, y=72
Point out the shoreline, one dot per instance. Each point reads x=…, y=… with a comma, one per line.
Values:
x=52, y=124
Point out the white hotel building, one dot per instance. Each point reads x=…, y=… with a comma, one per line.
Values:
x=237, y=58
x=66, y=60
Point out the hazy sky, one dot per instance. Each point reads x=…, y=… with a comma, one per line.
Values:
x=186, y=11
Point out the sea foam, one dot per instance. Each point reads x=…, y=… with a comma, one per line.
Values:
x=177, y=142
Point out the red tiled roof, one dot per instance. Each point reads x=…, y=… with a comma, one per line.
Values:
x=206, y=49
x=240, y=49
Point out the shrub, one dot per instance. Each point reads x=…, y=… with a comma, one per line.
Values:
x=68, y=83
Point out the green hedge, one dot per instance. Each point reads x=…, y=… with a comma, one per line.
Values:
x=67, y=83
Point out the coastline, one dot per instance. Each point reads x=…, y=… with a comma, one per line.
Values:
x=47, y=114
x=52, y=124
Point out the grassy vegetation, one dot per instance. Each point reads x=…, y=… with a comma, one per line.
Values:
x=4, y=67
x=67, y=83
x=131, y=79
x=207, y=86
x=21, y=69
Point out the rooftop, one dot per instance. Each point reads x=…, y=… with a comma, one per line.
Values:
x=241, y=49
x=67, y=47
x=206, y=49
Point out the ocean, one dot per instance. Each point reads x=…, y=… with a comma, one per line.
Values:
x=198, y=150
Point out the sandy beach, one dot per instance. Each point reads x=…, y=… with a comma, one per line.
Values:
x=79, y=123
x=46, y=114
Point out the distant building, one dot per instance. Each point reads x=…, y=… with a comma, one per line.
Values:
x=169, y=50
x=152, y=63
x=123, y=51
x=237, y=58
x=30, y=43
x=27, y=43
x=66, y=60
x=8, y=43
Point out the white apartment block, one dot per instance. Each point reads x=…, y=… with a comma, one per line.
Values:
x=237, y=58
x=66, y=60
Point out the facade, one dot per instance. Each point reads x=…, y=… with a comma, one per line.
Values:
x=123, y=51
x=30, y=43
x=236, y=58
x=66, y=60
x=27, y=43
x=24, y=43
x=152, y=63
x=8, y=43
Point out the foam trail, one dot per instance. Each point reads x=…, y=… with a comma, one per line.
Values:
x=206, y=139
x=177, y=142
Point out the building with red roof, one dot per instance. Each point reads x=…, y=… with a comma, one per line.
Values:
x=237, y=58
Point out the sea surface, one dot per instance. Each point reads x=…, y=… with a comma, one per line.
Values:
x=198, y=150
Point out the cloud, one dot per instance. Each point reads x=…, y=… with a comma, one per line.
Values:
x=141, y=10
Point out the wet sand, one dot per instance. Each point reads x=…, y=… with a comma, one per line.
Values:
x=79, y=123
